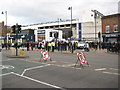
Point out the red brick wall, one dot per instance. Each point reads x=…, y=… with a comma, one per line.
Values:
x=110, y=20
x=119, y=23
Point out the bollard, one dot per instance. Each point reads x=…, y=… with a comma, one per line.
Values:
x=21, y=52
x=12, y=51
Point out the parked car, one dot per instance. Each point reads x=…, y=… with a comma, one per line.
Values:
x=81, y=45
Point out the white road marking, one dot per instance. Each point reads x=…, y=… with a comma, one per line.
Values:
x=114, y=69
x=38, y=81
x=111, y=73
x=34, y=68
x=68, y=65
x=8, y=60
x=6, y=67
x=100, y=69
x=6, y=74
x=28, y=61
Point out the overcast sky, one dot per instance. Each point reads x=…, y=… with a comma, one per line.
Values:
x=27, y=12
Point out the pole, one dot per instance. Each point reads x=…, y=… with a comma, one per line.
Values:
x=6, y=26
x=58, y=24
x=70, y=8
x=71, y=21
x=6, y=19
x=95, y=14
x=16, y=31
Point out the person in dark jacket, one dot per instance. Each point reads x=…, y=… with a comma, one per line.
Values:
x=27, y=46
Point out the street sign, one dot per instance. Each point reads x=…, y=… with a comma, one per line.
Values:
x=81, y=59
x=45, y=55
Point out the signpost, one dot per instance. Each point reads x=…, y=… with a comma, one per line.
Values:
x=45, y=55
x=81, y=59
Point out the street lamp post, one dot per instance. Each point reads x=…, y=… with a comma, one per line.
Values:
x=70, y=8
x=6, y=25
x=5, y=17
x=96, y=14
x=71, y=33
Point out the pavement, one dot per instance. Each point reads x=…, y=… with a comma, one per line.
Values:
x=60, y=73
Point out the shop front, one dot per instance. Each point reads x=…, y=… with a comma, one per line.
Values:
x=112, y=37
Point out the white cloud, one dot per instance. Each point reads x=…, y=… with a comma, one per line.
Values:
x=36, y=11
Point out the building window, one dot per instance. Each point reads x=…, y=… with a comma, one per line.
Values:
x=115, y=28
x=107, y=29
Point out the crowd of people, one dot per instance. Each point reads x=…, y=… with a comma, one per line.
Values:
x=65, y=46
x=49, y=46
x=110, y=46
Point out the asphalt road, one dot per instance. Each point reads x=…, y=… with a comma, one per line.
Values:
x=101, y=59
x=60, y=73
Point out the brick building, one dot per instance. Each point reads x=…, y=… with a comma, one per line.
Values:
x=111, y=27
x=3, y=29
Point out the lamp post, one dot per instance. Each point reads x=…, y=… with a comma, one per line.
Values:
x=70, y=8
x=6, y=25
x=95, y=15
x=71, y=33
x=5, y=17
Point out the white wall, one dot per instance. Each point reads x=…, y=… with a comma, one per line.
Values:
x=47, y=34
x=88, y=30
x=36, y=38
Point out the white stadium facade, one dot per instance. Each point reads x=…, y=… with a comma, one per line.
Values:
x=80, y=30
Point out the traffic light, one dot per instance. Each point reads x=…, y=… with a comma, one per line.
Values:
x=13, y=29
x=99, y=34
x=19, y=28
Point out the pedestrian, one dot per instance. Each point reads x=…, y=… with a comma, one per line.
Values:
x=59, y=45
x=5, y=45
x=52, y=46
x=46, y=45
x=49, y=44
x=27, y=46
x=32, y=45
x=62, y=46
x=65, y=46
